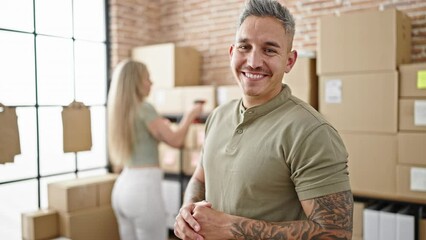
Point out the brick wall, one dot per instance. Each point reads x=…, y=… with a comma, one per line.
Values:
x=209, y=26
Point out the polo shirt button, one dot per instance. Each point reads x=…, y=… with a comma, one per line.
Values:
x=239, y=131
x=250, y=112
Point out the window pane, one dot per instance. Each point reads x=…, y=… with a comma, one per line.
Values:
x=17, y=82
x=17, y=15
x=89, y=20
x=21, y=197
x=55, y=71
x=25, y=164
x=54, y=17
x=43, y=186
x=52, y=157
x=97, y=157
x=90, y=72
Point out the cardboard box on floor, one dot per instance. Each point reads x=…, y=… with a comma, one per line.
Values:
x=39, y=225
x=170, y=65
x=303, y=80
x=372, y=163
x=412, y=80
x=364, y=41
x=360, y=102
x=97, y=223
x=81, y=193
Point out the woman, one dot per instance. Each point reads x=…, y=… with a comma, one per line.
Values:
x=134, y=131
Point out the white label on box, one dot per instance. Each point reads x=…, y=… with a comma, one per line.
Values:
x=420, y=113
x=418, y=179
x=333, y=91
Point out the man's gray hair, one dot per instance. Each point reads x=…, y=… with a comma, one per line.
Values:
x=269, y=8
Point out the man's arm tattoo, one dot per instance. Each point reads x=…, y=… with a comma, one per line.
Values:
x=195, y=191
x=330, y=217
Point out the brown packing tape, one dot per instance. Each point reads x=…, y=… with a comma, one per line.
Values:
x=77, y=133
x=9, y=134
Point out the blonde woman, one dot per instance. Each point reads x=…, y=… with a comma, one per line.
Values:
x=134, y=131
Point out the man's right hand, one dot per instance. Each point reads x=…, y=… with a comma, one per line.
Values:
x=186, y=227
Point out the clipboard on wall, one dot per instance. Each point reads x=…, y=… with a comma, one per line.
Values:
x=77, y=133
x=9, y=134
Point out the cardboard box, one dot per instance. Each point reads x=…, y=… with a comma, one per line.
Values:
x=411, y=182
x=226, y=93
x=97, y=223
x=412, y=114
x=364, y=41
x=412, y=148
x=190, y=160
x=195, y=136
x=169, y=65
x=372, y=163
x=169, y=158
x=40, y=224
x=167, y=101
x=358, y=219
x=303, y=80
x=206, y=93
x=422, y=229
x=81, y=193
x=412, y=80
x=177, y=100
x=361, y=102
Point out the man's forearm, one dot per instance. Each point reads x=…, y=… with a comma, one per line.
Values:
x=329, y=218
x=195, y=191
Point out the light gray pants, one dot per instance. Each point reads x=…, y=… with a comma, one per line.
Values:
x=138, y=203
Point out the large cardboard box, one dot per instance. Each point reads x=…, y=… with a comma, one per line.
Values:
x=363, y=42
x=40, y=224
x=97, y=223
x=170, y=65
x=412, y=114
x=195, y=136
x=411, y=182
x=412, y=80
x=191, y=157
x=412, y=148
x=81, y=193
x=170, y=158
x=177, y=100
x=226, y=93
x=372, y=163
x=303, y=80
x=361, y=102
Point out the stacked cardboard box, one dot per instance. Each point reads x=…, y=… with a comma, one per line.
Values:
x=411, y=170
x=358, y=58
x=40, y=224
x=303, y=80
x=84, y=207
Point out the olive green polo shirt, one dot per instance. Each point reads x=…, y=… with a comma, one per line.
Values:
x=261, y=162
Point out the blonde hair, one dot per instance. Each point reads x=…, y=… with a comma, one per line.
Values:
x=125, y=95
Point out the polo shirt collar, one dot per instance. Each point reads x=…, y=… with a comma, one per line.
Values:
x=260, y=110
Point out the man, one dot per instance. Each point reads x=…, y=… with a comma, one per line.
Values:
x=272, y=167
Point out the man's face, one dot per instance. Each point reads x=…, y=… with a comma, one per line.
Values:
x=260, y=57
